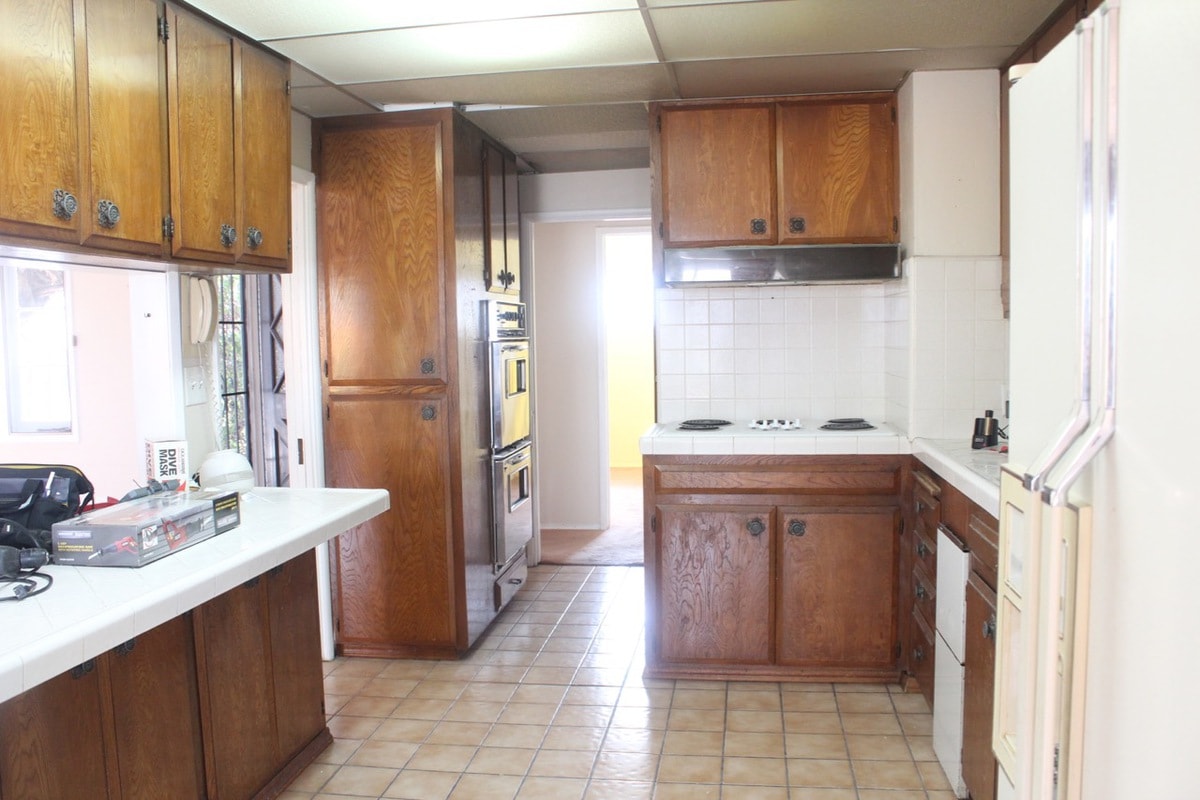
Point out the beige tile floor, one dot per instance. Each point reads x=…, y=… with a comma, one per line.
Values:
x=552, y=704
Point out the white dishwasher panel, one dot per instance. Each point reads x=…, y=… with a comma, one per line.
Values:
x=953, y=563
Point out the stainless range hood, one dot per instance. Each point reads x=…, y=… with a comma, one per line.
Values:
x=862, y=263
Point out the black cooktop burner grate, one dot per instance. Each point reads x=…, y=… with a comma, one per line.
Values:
x=847, y=424
x=703, y=424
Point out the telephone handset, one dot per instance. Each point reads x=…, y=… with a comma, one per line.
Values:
x=203, y=320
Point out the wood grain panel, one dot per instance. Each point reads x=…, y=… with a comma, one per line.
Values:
x=124, y=156
x=715, y=584
x=979, y=764
x=393, y=572
x=838, y=587
x=778, y=480
x=983, y=538
x=38, y=138
x=201, y=92
x=238, y=712
x=264, y=158
x=718, y=174
x=159, y=754
x=924, y=588
x=380, y=206
x=51, y=740
x=297, y=674
x=921, y=658
x=837, y=171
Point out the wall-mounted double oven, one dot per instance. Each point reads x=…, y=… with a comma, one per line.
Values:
x=512, y=448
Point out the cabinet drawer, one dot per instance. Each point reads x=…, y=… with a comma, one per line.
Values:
x=924, y=591
x=920, y=660
x=982, y=538
x=783, y=480
x=924, y=545
x=927, y=506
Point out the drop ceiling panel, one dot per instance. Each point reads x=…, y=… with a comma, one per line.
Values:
x=842, y=72
x=606, y=39
x=798, y=27
x=540, y=87
x=279, y=19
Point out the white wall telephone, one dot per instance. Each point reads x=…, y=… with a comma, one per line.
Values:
x=203, y=318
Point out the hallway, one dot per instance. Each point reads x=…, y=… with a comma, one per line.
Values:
x=551, y=705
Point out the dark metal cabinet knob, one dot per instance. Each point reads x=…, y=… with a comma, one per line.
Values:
x=65, y=205
x=756, y=527
x=86, y=668
x=228, y=235
x=107, y=214
x=796, y=225
x=920, y=591
x=989, y=628
x=428, y=413
x=427, y=366
x=919, y=654
x=758, y=226
x=125, y=648
x=797, y=527
x=254, y=238
x=922, y=550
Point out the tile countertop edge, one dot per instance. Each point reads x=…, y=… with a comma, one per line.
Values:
x=277, y=525
x=944, y=459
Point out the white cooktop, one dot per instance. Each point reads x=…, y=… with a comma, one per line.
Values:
x=789, y=437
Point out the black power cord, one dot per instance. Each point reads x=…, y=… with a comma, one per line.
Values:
x=20, y=568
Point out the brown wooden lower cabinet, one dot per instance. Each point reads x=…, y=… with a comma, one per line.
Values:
x=772, y=567
x=979, y=764
x=225, y=702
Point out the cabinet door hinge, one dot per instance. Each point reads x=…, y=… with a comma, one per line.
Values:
x=325, y=367
x=164, y=28
x=654, y=524
x=895, y=224
x=898, y=650
x=327, y=411
x=168, y=227
x=660, y=230
x=289, y=245
x=658, y=123
x=300, y=452
x=287, y=88
x=893, y=113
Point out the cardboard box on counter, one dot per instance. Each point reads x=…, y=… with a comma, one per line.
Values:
x=137, y=532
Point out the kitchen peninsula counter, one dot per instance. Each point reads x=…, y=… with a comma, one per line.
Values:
x=89, y=610
x=198, y=675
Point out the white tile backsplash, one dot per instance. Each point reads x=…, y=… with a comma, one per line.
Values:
x=926, y=354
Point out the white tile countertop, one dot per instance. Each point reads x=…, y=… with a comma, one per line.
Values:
x=975, y=473
x=89, y=610
x=739, y=438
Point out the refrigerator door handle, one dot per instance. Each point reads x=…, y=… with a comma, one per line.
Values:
x=1077, y=422
x=1104, y=424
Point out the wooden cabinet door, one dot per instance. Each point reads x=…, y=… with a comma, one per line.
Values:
x=52, y=739
x=837, y=175
x=38, y=136
x=200, y=89
x=718, y=175
x=156, y=714
x=237, y=702
x=264, y=117
x=296, y=653
x=379, y=199
x=979, y=764
x=502, y=230
x=715, y=578
x=394, y=581
x=123, y=127
x=837, y=587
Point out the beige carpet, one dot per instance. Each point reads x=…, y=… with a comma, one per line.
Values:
x=620, y=545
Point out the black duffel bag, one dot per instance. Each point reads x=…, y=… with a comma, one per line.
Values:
x=35, y=496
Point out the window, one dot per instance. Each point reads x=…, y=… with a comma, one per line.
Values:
x=232, y=424
x=37, y=354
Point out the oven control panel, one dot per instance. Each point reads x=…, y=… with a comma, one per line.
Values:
x=504, y=319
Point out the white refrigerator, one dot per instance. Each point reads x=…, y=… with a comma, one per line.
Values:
x=1098, y=642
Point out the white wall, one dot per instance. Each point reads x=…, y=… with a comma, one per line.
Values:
x=947, y=354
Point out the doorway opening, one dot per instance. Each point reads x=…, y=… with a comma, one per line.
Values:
x=628, y=314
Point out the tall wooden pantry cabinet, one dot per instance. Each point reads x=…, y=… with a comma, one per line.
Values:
x=401, y=230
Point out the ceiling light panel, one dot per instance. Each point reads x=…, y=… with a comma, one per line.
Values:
x=602, y=39
x=280, y=19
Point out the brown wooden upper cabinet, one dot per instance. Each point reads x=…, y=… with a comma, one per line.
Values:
x=804, y=170
x=142, y=129
x=502, y=246
x=39, y=166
